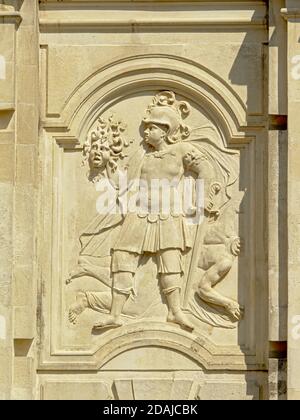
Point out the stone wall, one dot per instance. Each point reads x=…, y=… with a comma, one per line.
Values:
x=148, y=305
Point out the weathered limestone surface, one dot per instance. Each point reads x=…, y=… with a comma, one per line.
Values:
x=105, y=291
x=292, y=14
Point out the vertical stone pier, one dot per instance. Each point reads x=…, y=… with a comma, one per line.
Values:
x=19, y=116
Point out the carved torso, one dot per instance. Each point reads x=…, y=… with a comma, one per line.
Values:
x=167, y=164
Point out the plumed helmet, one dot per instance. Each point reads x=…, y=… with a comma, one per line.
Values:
x=166, y=110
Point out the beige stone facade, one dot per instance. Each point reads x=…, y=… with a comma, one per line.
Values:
x=104, y=103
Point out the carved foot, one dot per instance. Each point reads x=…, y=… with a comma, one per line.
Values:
x=78, y=272
x=69, y=279
x=78, y=308
x=235, y=310
x=72, y=275
x=181, y=319
x=111, y=322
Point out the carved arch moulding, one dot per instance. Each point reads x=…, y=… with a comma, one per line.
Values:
x=188, y=287
x=134, y=74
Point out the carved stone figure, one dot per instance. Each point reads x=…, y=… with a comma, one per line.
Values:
x=218, y=253
x=168, y=155
x=104, y=148
x=220, y=247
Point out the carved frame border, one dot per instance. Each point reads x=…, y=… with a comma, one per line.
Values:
x=94, y=95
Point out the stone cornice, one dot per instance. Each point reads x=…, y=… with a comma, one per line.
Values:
x=188, y=14
x=290, y=13
x=11, y=15
x=150, y=22
x=154, y=1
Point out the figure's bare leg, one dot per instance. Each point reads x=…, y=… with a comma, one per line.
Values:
x=212, y=277
x=171, y=285
x=86, y=269
x=78, y=308
x=119, y=299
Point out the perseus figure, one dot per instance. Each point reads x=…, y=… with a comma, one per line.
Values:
x=164, y=236
x=168, y=156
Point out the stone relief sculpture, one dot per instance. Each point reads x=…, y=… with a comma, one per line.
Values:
x=104, y=148
x=193, y=246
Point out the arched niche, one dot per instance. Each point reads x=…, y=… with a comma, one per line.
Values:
x=138, y=78
x=139, y=74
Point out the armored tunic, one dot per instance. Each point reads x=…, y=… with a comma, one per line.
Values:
x=155, y=227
